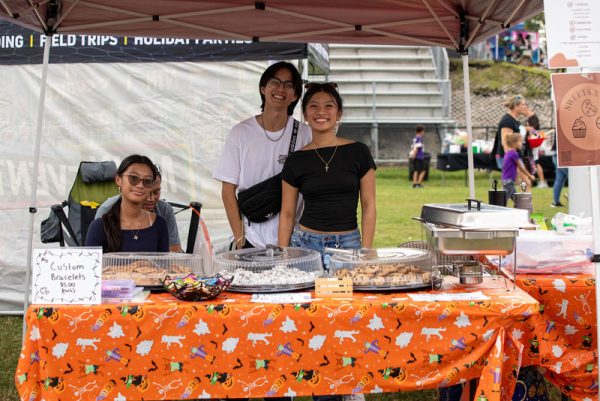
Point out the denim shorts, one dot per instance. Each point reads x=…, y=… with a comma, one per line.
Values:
x=318, y=242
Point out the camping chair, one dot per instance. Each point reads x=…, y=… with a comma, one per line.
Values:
x=94, y=184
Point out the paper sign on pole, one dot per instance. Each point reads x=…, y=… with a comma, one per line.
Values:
x=577, y=105
x=67, y=276
x=573, y=33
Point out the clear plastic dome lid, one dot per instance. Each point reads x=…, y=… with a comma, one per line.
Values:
x=350, y=257
x=260, y=259
x=383, y=268
x=149, y=268
x=157, y=259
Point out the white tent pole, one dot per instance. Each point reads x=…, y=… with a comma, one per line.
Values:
x=467, y=89
x=34, y=176
x=496, y=49
x=595, y=198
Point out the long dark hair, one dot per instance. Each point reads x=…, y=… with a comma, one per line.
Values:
x=270, y=73
x=111, y=221
x=327, y=87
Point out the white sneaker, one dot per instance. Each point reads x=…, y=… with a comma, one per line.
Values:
x=353, y=397
x=542, y=184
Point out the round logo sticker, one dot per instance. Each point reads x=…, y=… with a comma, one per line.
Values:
x=579, y=116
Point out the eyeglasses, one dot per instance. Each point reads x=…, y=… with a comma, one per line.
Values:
x=277, y=83
x=134, y=180
x=318, y=85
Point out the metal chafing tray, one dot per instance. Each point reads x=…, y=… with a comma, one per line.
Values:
x=474, y=214
x=468, y=241
x=472, y=228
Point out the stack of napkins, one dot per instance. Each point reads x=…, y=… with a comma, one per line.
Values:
x=121, y=291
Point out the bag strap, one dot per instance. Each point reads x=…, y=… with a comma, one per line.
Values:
x=294, y=136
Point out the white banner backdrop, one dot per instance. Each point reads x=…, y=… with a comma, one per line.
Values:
x=178, y=114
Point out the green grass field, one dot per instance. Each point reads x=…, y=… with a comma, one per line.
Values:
x=397, y=203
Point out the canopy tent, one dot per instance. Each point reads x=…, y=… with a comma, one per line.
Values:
x=447, y=23
x=452, y=24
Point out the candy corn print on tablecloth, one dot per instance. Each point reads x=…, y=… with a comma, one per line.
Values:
x=231, y=347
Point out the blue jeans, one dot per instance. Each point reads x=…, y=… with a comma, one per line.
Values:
x=509, y=187
x=318, y=242
x=560, y=177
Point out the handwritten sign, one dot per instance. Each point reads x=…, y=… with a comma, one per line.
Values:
x=67, y=276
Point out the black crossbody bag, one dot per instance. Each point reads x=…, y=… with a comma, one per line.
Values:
x=262, y=201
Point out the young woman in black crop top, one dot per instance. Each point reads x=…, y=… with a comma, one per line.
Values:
x=332, y=174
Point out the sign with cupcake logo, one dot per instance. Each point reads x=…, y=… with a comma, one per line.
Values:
x=577, y=107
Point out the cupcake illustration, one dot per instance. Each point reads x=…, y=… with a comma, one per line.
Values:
x=578, y=129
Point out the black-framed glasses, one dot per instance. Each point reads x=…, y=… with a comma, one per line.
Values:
x=275, y=82
x=331, y=85
x=134, y=180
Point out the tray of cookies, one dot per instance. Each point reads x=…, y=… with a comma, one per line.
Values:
x=271, y=269
x=385, y=269
x=149, y=269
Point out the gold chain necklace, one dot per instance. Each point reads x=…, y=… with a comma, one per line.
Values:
x=326, y=163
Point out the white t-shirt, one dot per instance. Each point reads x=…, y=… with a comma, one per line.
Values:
x=249, y=157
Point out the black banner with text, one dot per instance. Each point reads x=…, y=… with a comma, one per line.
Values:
x=20, y=45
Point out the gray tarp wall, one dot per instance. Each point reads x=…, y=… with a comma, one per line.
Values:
x=177, y=113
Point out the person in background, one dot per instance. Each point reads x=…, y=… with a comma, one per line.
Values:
x=532, y=127
x=256, y=149
x=419, y=154
x=155, y=205
x=127, y=226
x=332, y=174
x=509, y=124
x=560, y=177
x=512, y=164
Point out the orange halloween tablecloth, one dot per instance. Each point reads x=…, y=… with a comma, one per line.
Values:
x=562, y=338
x=168, y=349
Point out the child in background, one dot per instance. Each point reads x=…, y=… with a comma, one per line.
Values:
x=512, y=164
x=418, y=154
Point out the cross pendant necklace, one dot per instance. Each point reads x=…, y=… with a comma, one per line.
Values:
x=326, y=163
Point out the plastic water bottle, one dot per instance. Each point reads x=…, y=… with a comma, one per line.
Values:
x=446, y=143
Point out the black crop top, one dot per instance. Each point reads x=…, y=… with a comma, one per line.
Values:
x=330, y=198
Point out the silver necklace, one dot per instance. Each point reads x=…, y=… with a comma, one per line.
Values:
x=262, y=125
x=326, y=163
x=135, y=235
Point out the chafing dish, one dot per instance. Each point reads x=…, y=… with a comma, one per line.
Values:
x=472, y=228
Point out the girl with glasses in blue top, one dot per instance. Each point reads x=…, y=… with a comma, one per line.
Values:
x=127, y=226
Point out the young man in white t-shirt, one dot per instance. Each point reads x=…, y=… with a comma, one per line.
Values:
x=256, y=149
